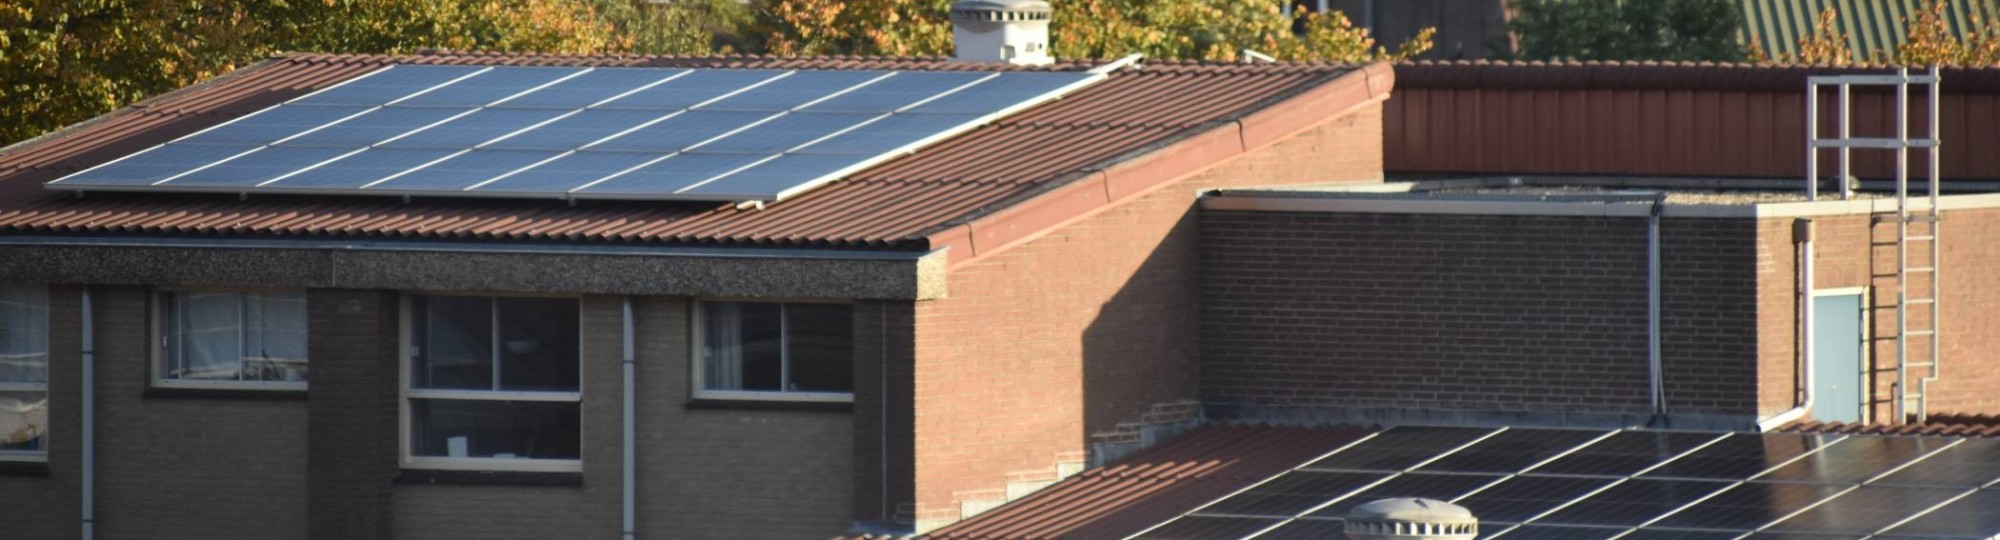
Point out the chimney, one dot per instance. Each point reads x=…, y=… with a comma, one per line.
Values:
x=1011, y=31
x=1411, y=519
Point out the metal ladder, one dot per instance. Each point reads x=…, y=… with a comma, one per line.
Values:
x=1917, y=225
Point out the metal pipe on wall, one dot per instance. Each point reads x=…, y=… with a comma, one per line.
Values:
x=1802, y=234
x=1654, y=361
x=629, y=427
x=88, y=431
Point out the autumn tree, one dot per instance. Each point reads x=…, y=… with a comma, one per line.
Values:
x=1928, y=40
x=1623, y=30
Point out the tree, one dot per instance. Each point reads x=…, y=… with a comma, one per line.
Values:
x=1623, y=30
x=1200, y=29
x=1928, y=41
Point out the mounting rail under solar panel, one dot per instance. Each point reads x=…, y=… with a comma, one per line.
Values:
x=580, y=133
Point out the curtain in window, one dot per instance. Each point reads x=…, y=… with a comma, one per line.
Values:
x=24, y=335
x=274, y=338
x=208, y=335
x=723, y=361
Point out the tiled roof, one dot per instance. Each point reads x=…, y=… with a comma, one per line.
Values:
x=1153, y=486
x=1951, y=425
x=895, y=205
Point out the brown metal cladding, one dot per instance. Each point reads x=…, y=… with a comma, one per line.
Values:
x=897, y=204
x=1154, y=485
x=1663, y=119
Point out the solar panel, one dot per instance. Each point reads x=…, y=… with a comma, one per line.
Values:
x=1557, y=532
x=1513, y=450
x=1400, y=448
x=1741, y=456
x=1856, y=459
x=1293, y=493
x=1308, y=529
x=1865, y=510
x=1750, y=505
x=1626, y=453
x=1671, y=534
x=1207, y=528
x=1524, y=497
x=1633, y=502
x=1428, y=486
x=1971, y=463
x=1975, y=516
x=562, y=132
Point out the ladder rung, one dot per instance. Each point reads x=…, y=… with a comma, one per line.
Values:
x=1920, y=365
x=1874, y=143
x=1870, y=80
x=1926, y=218
x=1921, y=238
x=1910, y=333
x=1920, y=269
x=1920, y=301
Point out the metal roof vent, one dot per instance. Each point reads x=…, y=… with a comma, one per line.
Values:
x=1011, y=31
x=1411, y=519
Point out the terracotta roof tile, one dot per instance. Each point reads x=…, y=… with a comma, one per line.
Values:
x=1950, y=425
x=894, y=205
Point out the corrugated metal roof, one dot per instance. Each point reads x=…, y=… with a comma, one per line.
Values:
x=1874, y=27
x=893, y=205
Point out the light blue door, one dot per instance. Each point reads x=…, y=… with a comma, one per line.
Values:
x=1837, y=342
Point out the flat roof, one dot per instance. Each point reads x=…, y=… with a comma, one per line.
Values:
x=1597, y=196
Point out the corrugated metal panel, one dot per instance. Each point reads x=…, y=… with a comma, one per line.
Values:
x=892, y=205
x=1657, y=119
x=1874, y=27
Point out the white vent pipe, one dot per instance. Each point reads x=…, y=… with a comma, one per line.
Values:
x=1802, y=233
x=629, y=429
x=89, y=430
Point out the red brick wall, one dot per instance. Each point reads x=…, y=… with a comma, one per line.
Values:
x=1853, y=251
x=1040, y=345
x=1482, y=313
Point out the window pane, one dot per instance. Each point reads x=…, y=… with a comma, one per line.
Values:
x=538, y=344
x=24, y=334
x=821, y=337
x=24, y=420
x=455, y=343
x=274, y=339
x=741, y=343
x=495, y=429
x=205, y=336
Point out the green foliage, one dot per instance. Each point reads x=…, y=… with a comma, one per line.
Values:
x=1624, y=30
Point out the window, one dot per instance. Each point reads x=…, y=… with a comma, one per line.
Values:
x=232, y=339
x=493, y=383
x=24, y=373
x=771, y=350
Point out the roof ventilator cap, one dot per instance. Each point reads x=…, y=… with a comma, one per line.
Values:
x=1411, y=519
x=1011, y=31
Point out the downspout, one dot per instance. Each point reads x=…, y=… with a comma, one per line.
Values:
x=89, y=476
x=1802, y=233
x=1654, y=364
x=630, y=427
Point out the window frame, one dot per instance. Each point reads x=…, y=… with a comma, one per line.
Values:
x=157, y=360
x=406, y=393
x=697, y=387
x=48, y=356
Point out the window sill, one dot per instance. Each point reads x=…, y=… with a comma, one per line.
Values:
x=224, y=393
x=420, y=477
x=769, y=405
x=24, y=468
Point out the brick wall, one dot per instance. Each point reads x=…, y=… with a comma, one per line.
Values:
x=1089, y=326
x=47, y=506
x=187, y=467
x=1854, y=251
x=1482, y=313
x=351, y=439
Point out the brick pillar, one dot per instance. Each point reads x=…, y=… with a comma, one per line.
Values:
x=351, y=412
x=884, y=423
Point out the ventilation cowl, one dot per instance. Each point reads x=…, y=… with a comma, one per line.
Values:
x=1411, y=519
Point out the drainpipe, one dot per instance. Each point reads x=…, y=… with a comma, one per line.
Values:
x=1657, y=374
x=89, y=477
x=1802, y=233
x=630, y=429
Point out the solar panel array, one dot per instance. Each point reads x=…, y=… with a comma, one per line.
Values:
x=580, y=133
x=1556, y=484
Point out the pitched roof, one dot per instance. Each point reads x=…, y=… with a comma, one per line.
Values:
x=899, y=204
x=1874, y=28
x=1946, y=425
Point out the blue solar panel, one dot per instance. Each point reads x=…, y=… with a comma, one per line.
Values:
x=787, y=132
x=890, y=134
x=798, y=89
x=903, y=90
x=693, y=89
x=569, y=172
x=470, y=130
x=146, y=168
x=589, y=88
x=274, y=124
x=673, y=174
x=360, y=169
x=390, y=84
x=681, y=131
x=489, y=87
x=464, y=170
x=254, y=168
x=642, y=133
x=374, y=127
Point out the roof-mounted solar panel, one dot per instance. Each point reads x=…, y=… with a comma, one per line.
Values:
x=580, y=133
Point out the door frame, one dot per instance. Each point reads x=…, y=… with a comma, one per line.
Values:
x=1867, y=346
